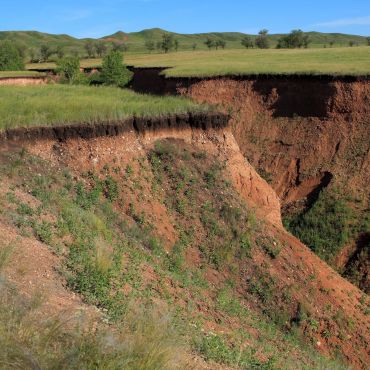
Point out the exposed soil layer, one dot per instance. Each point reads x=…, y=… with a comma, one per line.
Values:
x=23, y=81
x=302, y=134
x=138, y=124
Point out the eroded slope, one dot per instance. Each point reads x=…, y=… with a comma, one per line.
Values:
x=306, y=136
x=177, y=219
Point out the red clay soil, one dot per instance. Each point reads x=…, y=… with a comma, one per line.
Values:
x=22, y=81
x=302, y=135
x=311, y=281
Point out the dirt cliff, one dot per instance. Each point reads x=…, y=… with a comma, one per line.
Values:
x=303, y=135
x=276, y=277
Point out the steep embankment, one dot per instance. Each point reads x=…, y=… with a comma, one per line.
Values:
x=309, y=138
x=168, y=213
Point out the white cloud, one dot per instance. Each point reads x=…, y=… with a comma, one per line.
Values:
x=359, y=21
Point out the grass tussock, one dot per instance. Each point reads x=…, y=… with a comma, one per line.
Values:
x=59, y=104
x=144, y=340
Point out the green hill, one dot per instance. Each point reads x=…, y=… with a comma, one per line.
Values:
x=136, y=40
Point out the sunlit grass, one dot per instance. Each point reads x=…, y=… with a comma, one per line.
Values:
x=5, y=74
x=61, y=104
x=333, y=61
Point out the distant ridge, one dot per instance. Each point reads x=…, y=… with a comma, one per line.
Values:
x=136, y=40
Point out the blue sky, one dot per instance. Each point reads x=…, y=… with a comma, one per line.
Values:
x=96, y=18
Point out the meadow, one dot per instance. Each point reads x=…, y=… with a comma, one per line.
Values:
x=332, y=61
x=64, y=104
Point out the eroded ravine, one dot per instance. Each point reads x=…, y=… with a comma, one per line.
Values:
x=304, y=135
x=312, y=283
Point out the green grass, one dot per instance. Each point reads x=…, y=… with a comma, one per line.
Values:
x=332, y=61
x=240, y=62
x=61, y=104
x=5, y=74
x=325, y=227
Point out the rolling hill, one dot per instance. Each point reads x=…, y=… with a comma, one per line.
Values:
x=136, y=40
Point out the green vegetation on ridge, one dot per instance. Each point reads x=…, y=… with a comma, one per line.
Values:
x=136, y=41
x=61, y=104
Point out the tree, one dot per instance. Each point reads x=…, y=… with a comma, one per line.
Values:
x=10, y=59
x=69, y=70
x=176, y=45
x=75, y=53
x=150, y=45
x=119, y=46
x=331, y=43
x=194, y=46
x=45, y=52
x=368, y=41
x=220, y=44
x=351, y=43
x=262, y=40
x=60, y=52
x=209, y=43
x=22, y=49
x=32, y=55
x=114, y=72
x=90, y=48
x=168, y=42
x=101, y=48
x=295, y=39
x=247, y=42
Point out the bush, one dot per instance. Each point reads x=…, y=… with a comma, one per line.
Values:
x=114, y=72
x=69, y=71
x=10, y=58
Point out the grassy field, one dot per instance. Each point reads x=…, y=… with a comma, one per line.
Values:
x=62, y=104
x=5, y=74
x=334, y=61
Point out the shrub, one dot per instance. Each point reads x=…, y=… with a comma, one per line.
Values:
x=114, y=72
x=10, y=58
x=69, y=70
x=44, y=232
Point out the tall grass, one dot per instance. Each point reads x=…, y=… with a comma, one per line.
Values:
x=28, y=341
x=60, y=104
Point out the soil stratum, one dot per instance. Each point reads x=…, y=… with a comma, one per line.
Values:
x=165, y=221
